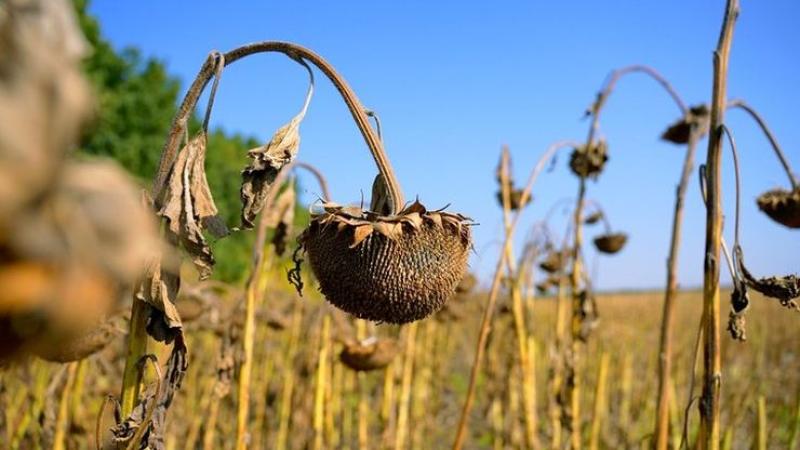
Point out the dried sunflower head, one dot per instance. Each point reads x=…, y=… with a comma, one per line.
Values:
x=396, y=268
x=782, y=206
x=369, y=354
x=696, y=118
x=593, y=218
x=610, y=243
x=515, y=198
x=553, y=262
x=589, y=160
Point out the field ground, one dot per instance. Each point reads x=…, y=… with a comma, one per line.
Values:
x=369, y=408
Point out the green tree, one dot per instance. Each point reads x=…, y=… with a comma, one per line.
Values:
x=137, y=99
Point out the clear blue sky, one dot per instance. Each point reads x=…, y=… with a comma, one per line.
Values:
x=453, y=81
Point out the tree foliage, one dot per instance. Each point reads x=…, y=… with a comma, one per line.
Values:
x=136, y=101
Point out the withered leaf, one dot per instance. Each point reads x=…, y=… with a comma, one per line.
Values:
x=360, y=233
x=153, y=436
x=267, y=161
x=785, y=289
x=182, y=209
x=204, y=206
x=159, y=289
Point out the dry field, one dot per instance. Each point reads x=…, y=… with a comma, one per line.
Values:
x=417, y=407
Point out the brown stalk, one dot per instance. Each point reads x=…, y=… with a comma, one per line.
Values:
x=668, y=314
x=572, y=389
x=517, y=309
x=600, y=404
x=405, y=386
x=323, y=183
x=603, y=95
x=712, y=365
x=254, y=288
x=488, y=312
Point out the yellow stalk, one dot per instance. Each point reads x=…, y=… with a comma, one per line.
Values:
x=197, y=420
x=322, y=371
x=405, y=387
x=284, y=415
x=421, y=404
x=335, y=405
x=211, y=423
x=388, y=403
x=760, y=439
x=39, y=391
x=264, y=373
x=363, y=395
x=531, y=384
x=516, y=300
x=348, y=382
x=512, y=414
x=77, y=407
x=712, y=363
x=137, y=348
x=62, y=419
x=574, y=389
x=727, y=439
x=599, y=403
x=497, y=424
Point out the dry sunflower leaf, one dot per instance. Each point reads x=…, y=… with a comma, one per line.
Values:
x=160, y=400
x=786, y=289
x=268, y=160
x=185, y=211
x=159, y=289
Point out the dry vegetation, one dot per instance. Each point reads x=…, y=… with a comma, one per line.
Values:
x=287, y=356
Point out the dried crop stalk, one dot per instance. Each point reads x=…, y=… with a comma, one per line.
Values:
x=322, y=381
x=488, y=312
x=712, y=365
x=517, y=307
x=405, y=386
x=600, y=403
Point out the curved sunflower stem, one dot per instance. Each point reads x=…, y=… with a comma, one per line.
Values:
x=611, y=82
x=297, y=53
x=323, y=183
x=741, y=104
